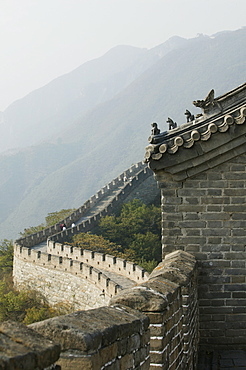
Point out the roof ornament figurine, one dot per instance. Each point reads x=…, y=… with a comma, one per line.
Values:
x=208, y=102
x=155, y=130
x=172, y=124
x=189, y=117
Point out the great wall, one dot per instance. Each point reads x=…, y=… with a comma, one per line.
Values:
x=93, y=277
x=193, y=302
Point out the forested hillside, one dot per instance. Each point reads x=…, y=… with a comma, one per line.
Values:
x=88, y=126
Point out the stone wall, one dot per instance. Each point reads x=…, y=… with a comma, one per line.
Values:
x=62, y=280
x=23, y=348
x=169, y=299
x=99, y=260
x=121, y=192
x=72, y=276
x=152, y=325
x=148, y=192
x=107, y=338
x=206, y=215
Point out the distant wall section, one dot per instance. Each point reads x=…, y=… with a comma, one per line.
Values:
x=62, y=280
x=148, y=192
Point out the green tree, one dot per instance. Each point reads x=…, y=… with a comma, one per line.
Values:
x=134, y=235
x=136, y=229
x=95, y=243
x=26, y=305
x=32, y=230
x=6, y=257
x=43, y=311
x=145, y=246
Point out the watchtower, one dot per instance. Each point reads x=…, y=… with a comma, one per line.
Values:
x=200, y=168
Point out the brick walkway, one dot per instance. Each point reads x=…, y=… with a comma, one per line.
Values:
x=222, y=360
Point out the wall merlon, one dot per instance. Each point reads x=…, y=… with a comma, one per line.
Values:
x=100, y=261
x=68, y=265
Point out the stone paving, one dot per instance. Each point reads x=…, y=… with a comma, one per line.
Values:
x=101, y=205
x=97, y=208
x=222, y=360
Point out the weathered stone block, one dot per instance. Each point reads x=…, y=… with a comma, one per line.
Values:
x=157, y=317
x=114, y=365
x=122, y=346
x=22, y=347
x=191, y=200
x=158, y=330
x=109, y=353
x=157, y=358
x=77, y=363
x=127, y=361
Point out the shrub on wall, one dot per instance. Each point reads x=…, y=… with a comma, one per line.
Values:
x=24, y=306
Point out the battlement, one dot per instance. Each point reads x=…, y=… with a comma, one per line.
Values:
x=152, y=325
x=117, y=191
x=99, y=260
x=63, y=264
x=91, y=278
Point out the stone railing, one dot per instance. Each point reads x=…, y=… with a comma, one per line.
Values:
x=136, y=173
x=99, y=260
x=153, y=325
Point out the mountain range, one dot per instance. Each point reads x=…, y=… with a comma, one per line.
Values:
x=63, y=142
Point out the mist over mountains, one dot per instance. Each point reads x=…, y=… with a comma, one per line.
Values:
x=64, y=141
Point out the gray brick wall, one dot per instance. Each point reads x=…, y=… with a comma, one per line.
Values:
x=206, y=215
x=169, y=299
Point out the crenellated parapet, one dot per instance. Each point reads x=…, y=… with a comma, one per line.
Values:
x=61, y=279
x=100, y=261
x=88, y=215
x=169, y=299
x=43, y=260
x=152, y=325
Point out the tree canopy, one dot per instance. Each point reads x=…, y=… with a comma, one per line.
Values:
x=137, y=229
x=135, y=235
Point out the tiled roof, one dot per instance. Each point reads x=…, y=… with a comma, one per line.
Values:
x=218, y=116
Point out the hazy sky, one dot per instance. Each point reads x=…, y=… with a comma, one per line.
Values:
x=43, y=39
